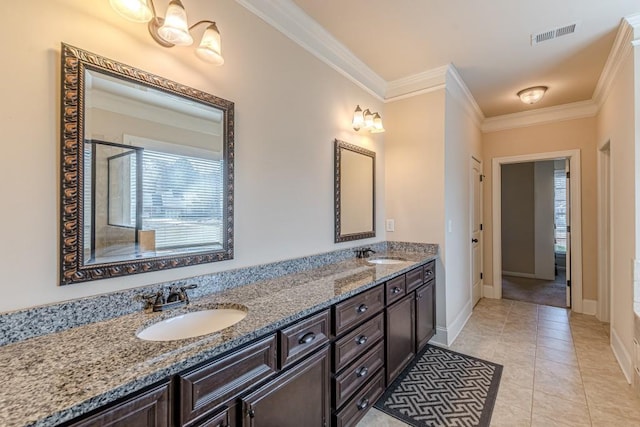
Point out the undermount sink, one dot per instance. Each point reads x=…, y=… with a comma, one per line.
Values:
x=387, y=260
x=193, y=324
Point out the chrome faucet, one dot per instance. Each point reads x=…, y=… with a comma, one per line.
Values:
x=364, y=253
x=177, y=298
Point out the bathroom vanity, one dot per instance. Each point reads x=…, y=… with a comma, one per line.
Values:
x=327, y=368
x=317, y=347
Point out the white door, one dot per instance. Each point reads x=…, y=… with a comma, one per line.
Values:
x=476, y=230
x=568, y=217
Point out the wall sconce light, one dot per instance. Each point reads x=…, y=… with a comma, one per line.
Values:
x=172, y=30
x=367, y=120
x=531, y=95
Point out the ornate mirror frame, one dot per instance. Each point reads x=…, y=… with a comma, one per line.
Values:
x=340, y=235
x=72, y=268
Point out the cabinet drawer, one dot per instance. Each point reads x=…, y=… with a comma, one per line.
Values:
x=358, y=341
x=150, y=408
x=396, y=288
x=357, y=407
x=429, y=271
x=414, y=279
x=358, y=373
x=303, y=338
x=357, y=308
x=214, y=384
x=218, y=420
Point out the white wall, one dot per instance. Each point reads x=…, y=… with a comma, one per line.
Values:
x=462, y=141
x=615, y=123
x=289, y=108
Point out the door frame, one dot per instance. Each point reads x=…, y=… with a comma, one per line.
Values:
x=576, y=219
x=605, y=234
x=473, y=160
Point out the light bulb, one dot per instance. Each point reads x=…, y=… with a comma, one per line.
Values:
x=209, y=49
x=532, y=95
x=358, y=118
x=175, y=29
x=133, y=10
x=368, y=119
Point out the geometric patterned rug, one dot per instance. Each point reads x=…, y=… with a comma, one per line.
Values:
x=442, y=388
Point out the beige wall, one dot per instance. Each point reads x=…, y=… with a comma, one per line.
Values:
x=616, y=124
x=518, y=218
x=565, y=135
x=289, y=108
x=429, y=143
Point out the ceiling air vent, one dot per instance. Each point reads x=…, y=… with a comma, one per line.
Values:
x=552, y=34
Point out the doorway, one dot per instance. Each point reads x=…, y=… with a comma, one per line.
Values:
x=604, y=233
x=574, y=263
x=534, y=232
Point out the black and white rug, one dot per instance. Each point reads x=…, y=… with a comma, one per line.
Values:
x=442, y=388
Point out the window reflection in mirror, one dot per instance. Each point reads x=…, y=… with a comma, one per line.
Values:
x=354, y=192
x=153, y=172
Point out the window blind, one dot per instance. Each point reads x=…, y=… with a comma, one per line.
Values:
x=560, y=210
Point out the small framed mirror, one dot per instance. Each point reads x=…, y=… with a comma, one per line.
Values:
x=354, y=192
x=147, y=171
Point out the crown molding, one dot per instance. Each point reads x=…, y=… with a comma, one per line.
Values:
x=416, y=84
x=458, y=88
x=289, y=19
x=558, y=113
x=621, y=48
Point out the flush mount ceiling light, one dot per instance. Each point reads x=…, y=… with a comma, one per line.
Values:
x=531, y=95
x=367, y=120
x=172, y=30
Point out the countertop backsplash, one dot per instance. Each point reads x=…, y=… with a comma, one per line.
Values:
x=41, y=320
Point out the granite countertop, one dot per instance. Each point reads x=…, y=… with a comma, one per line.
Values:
x=56, y=377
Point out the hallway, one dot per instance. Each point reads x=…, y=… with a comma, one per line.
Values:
x=536, y=291
x=558, y=368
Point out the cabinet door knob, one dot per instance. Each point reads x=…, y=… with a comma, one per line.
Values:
x=362, y=308
x=396, y=290
x=362, y=372
x=251, y=413
x=361, y=339
x=307, y=338
x=363, y=404
x=429, y=273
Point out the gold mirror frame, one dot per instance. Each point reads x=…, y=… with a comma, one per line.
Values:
x=72, y=268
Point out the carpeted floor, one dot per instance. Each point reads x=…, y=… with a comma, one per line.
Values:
x=536, y=291
x=443, y=388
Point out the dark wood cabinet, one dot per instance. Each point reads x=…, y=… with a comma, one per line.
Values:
x=204, y=390
x=146, y=409
x=302, y=375
x=400, y=334
x=425, y=314
x=298, y=397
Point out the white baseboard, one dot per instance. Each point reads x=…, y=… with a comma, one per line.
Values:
x=622, y=355
x=516, y=274
x=440, y=338
x=487, y=291
x=589, y=306
x=454, y=329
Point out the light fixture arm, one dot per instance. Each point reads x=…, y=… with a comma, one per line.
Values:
x=204, y=21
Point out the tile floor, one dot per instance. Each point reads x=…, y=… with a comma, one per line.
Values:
x=559, y=369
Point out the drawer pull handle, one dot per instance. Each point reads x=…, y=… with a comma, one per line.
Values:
x=363, y=404
x=429, y=273
x=396, y=290
x=361, y=339
x=307, y=338
x=362, y=372
x=362, y=308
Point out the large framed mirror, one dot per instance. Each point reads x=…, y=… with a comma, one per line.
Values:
x=147, y=171
x=354, y=192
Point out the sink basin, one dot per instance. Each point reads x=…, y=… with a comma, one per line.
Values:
x=192, y=324
x=387, y=260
